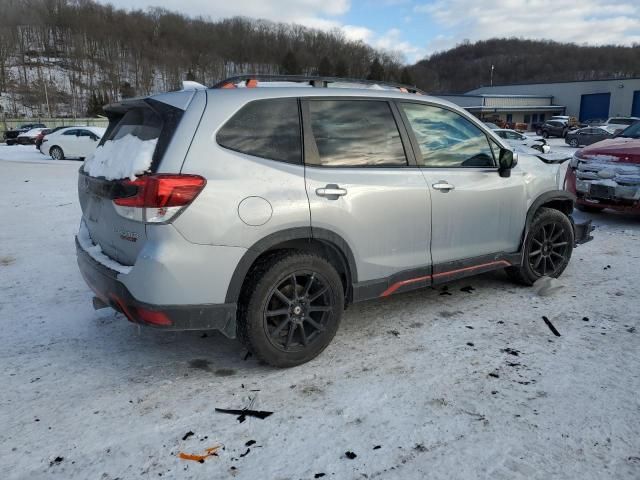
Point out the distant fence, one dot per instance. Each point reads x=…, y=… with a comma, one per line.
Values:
x=11, y=123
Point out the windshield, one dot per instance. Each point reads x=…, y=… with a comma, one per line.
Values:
x=631, y=132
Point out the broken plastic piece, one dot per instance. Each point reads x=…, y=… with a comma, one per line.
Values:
x=209, y=452
x=551, y=327
x=243, y=414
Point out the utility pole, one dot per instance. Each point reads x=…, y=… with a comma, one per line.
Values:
x=492, y=67
x=46, y=96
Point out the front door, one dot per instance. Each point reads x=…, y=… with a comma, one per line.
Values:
x=364, y=187
x=476, y=213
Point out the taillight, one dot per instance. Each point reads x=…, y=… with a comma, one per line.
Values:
x=158, y=198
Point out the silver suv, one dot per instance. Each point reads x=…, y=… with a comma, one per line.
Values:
x=264, y=212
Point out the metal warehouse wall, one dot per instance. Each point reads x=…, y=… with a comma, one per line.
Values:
x=570, y=93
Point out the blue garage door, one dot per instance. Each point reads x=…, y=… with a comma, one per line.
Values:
x=635, y=108
x=594, y=105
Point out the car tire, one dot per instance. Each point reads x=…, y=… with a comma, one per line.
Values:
x=589, y=208
x=547, y=247
x=290, y=309
x=538, y=132
x=545, y=134
x=56, y=153
x=574, y=143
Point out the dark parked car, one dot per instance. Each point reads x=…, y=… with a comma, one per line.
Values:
x=586, y=136
x=553, y=128
x=11, y=136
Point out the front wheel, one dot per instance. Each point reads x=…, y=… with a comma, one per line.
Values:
x=547, y=248
x=545, y=134
x=574, y=143
x=291, y=308
x=56, y=153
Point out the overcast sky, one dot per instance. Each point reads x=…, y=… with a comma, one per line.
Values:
x=418, y=28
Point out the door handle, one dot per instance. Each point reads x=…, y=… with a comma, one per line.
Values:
x=443, y=185
x=331, y=191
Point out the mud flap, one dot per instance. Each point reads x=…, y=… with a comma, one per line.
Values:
x=582, y=232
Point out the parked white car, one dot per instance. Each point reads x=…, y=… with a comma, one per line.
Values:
x=29, y=137
x=614, y=125
x=516, y=138
x=72, y=142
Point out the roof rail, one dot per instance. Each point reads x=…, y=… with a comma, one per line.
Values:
x=252, y=80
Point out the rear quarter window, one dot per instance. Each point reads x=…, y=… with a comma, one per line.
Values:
x=265, y=128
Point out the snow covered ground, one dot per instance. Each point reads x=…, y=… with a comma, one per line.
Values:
x=420, y=385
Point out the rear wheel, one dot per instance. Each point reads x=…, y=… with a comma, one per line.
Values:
x=56, y=153
x=545, y=134
x=291, y=309
x=547, y=248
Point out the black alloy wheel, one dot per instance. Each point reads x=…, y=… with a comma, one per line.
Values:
x=297, y=310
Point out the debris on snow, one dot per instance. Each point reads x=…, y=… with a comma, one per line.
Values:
x=209, y=452
x=551, y=327
x=187, y=435
x=350, y=455
x=56, y=461
x=467, y=289
x=243, y=414
x=511, y=351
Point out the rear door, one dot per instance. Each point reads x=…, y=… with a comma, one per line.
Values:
x=68, y=142
x=364, y=186
x=475, y=211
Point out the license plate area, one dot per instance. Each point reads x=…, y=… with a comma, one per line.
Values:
x=602, y=191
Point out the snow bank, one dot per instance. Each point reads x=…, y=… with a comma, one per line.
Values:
x=95, y=252
x=126, y=157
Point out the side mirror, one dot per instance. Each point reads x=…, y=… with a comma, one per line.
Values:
x=506, y=162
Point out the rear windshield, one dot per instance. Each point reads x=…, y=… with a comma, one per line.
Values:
x=142, y=123
x=128, y=147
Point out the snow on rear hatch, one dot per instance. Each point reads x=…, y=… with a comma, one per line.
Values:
x=128, y=149
x=126, y=157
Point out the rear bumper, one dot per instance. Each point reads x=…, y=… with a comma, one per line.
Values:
x=106, y=286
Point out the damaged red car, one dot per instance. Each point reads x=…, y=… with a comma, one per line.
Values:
x=607, y=174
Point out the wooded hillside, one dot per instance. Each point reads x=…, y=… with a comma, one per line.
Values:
x=468, y=66
x=86, y=53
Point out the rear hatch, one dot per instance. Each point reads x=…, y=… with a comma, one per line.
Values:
x=135, y=142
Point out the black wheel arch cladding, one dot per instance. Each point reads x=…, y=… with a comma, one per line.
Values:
x=300, y=238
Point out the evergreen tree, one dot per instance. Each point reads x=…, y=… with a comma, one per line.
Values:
x=342, y=70
x=290, y=65
x=376, y=70
x=325, y=68
x=126, y=90
x=405, y=77
x=190, y=76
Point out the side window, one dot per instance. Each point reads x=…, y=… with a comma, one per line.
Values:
x=265, y=128
x=354, y=133
x=447, y=139
x=72, y=132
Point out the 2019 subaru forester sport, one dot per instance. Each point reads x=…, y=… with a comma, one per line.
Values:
x=263, y=212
